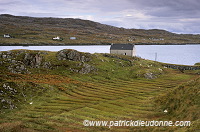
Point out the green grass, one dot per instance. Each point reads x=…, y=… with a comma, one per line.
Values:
x=62, y=99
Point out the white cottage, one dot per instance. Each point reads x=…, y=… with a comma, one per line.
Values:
x=6, y=36
x=123, y=49
x=56, y=38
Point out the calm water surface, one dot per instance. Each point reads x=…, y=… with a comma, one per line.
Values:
x=175, y=54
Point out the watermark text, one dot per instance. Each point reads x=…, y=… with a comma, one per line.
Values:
x=131, y=123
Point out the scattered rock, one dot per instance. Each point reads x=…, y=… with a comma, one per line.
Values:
x=47, y=65
x=19, y=68
x=84, y=68
x=150, y=76
x=7, y=103
x=4, y=56
x=87, y=69
x=13, y=95
x=165, y=111
x=8, y=89
x=13, y=61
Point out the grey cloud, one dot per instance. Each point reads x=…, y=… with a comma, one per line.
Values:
x=6, y=3
x=172, y=15
x=5, y=6
x=172, y=4
x=168, y=8
x=113, y=5
x=2, y=10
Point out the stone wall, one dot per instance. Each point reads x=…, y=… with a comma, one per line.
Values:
x=182, y=67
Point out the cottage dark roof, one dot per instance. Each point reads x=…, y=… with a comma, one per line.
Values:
x=121, y=47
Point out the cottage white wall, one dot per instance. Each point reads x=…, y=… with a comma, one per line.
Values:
x=124, y=52
x=134, y=51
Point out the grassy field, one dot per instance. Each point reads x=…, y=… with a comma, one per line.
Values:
x=58, y=99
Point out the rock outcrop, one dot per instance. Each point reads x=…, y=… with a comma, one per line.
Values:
x=15, y=65
x=82, y=58
x=68, y=54
x=20, y=61
x=33, y=60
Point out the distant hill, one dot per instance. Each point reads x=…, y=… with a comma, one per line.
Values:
x=40, y=31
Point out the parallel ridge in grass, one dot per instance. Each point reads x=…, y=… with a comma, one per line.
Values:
x=97, y=100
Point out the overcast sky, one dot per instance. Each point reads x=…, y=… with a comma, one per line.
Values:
x=179, y=16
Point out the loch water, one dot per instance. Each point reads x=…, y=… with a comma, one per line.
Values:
x=174, y=54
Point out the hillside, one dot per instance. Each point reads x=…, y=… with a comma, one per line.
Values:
x=57, y=91
x=40, y=31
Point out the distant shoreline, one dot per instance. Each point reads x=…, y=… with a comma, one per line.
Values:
x=82, y=44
